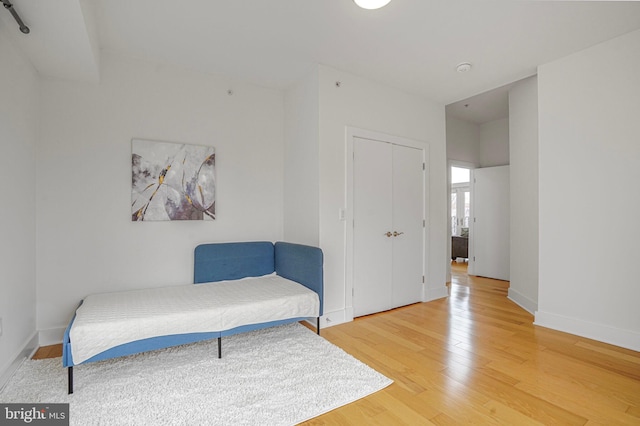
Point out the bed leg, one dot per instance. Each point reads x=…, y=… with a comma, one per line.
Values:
x=219, y=347
x=70, y=378
x=318, y=325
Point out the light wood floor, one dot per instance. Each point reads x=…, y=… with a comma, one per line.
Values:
x=476, y=358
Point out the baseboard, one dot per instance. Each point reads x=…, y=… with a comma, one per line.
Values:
x=436, y=293
x=51, y=336
x=335, y=317
x=27, y=351
x=523, y=301
x=603, y=333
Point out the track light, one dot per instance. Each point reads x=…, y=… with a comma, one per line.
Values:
x=7, y=5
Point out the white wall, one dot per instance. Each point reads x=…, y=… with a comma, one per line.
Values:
x=484, y=145
x=86, y=241
x=301, y=162
x=494, y=143
x=523, y=158
x=463, y=141
x=589, y=171
x=19, y=96
x=367, y=105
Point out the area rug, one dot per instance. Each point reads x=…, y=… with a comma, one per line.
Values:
x=277, y=376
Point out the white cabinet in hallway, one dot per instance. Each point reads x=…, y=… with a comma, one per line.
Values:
x=490, y=228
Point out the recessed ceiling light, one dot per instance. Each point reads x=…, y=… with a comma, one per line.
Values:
x=463, y=67
x=371, y=4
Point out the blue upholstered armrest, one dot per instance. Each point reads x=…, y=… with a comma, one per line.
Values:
x=303, y=264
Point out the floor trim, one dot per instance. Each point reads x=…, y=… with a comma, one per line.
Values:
x=27, y=351
x=603, y=333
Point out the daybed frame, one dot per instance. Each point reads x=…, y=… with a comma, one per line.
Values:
x=219, y=262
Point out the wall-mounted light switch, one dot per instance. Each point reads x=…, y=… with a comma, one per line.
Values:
x=0, y=326
x=341, y=213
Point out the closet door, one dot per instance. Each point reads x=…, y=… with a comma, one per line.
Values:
x=408, y=217
x=372, y=219
x=388, y=226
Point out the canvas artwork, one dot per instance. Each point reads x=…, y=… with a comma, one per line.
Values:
x=172, y=181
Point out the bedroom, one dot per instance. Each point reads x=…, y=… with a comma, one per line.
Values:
x=67, y=150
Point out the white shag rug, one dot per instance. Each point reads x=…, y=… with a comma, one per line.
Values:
x=277, y=376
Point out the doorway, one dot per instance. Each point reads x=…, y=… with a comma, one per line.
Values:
x=460, y=200
x=460, y=193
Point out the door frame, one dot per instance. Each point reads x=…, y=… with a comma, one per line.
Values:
x=347, y=213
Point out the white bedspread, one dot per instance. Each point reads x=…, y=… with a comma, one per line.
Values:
x=106, y=320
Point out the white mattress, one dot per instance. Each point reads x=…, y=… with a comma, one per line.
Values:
x=106, y=320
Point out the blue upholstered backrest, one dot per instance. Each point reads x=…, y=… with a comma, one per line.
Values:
x=232, y=261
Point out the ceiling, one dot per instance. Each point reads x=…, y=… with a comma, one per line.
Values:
x=412, y=45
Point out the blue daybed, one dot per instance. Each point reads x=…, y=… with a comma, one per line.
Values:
x=220, y=269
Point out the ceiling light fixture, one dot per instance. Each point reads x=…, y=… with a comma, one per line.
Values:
x=371, y=4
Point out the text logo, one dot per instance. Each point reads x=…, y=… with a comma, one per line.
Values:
x=34, y=414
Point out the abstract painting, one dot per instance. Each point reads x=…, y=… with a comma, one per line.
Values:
x=172, y=181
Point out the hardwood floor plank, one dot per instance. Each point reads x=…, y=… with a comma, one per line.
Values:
x=396, y=411
x=509, y=379
x=507, y=415
x=457, y=408
x=571, y=370
x=635, y=412
x=576, y=395
x=52, y=351
x=594, y=406
x=409, y=399
x=530, y=405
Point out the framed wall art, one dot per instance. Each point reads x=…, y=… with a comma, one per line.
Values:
x=172, y=181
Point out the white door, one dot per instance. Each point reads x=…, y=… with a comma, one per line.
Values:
x=388, y=225
x=408, y=215
x=490, y=237
x=372, y=219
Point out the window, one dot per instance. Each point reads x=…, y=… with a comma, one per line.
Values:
x=460, y=175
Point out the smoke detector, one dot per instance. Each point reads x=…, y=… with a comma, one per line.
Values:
x=463, y=67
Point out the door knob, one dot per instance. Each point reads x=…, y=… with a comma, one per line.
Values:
x=388, y=233
x=395, y=233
